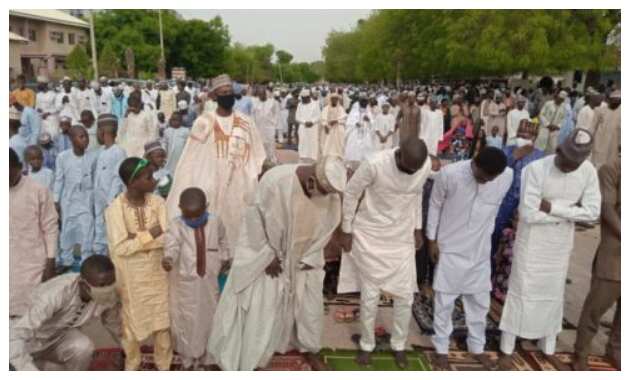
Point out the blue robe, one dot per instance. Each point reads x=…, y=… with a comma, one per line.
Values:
x=44, y=177
x=30, y=125
x=74, y=191
x=511, y=199
x=107, y=186
x=62, y=143
x=174, y=142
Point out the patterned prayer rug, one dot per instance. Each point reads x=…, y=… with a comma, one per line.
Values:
x=540, y=363
x=463, y=361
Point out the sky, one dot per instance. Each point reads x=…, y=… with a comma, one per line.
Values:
x=301, y=32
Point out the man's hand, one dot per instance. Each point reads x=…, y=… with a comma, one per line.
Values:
x=358, y=124
x=326, y=129
x=553, y=128
x=366, y=119
x=156, y=231
x=436, y=164
x=45, y=115
x=167, y=264
x=346, y=241
x=545, y=206
x=65, y=100
x=275, y=268
x=308, y=124
x=49, y=270
x=433, y=250
x=333, y=123
x=418, y=238
x=225, y=266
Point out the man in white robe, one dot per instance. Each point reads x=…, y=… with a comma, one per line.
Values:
x=432, y=127
x=101, y=100
x=551, y=116
x=166, y=100
x=465, y=200
x=273, y=299
x=514, y=118
x=382, y=234
x=384, y=128
x=556, y=192
x=223, y=156
x=359, y=143
x=45, y=104
x=587, y=112
x=332, y=132
x=66, y=103
x=265, y=114
x=307, y=117
x=138, y=128
x=83, y=98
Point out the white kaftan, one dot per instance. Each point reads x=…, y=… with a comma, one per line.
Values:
x=332, y=142
x=137, y=129
x=544, y=242
x=359, y=143
x=308, y=147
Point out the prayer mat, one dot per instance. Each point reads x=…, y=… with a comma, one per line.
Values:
x=344, y=360
x=540, y=363
x=459, y=360
x=104, y=360
x=354, y=299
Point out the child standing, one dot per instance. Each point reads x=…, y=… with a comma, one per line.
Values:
x=136, y=221
x=87, y=120
x=35, y=159
x=62, y=140
x=494, y=139
x=107, y=182
x=174, y=140
x=195, y=253
x=156, y=155
x=74, y=196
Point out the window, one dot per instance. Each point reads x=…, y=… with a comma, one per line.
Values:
x=82, y=39
x=56, y=37
x=32, y=35
x=71, y=38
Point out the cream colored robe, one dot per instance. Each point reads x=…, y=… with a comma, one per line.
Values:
x=332, y=143
x=258, y=315
x=223, y=157
x=137, y=130
x=141, y=281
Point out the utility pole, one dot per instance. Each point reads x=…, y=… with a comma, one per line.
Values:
x=162, y=63
x=93, y=40
x=161, y=33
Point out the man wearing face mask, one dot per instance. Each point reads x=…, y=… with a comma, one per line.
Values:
x=307, y=117
x=606, y=130
x=464, y=202
x=557, y=192
x=50, y=328
x=273, y=299
x=380, y=238
x=223, y=156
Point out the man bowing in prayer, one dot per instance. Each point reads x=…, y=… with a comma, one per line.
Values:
x=464, y=203
x=556, y=192
x=383, y=233
x=223, y=156
x=273, y=299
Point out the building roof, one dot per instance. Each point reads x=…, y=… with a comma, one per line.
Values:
x=50, y=15
x=17, y=37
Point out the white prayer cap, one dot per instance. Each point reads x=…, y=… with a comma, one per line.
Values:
x=95, y=85
x=362, y=95
x=103, y=78
x=44, y=138
x=152, y=146
x=616, y=94
x=331, y=174
x=562, y=94
x=14, y=114
x=42, y=79
x=66, y=78
x=276, y=93
x=305, y=92
x=182, y=105
x=65, y=119
x=220, y=81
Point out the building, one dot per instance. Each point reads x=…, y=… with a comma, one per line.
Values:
x=51, y=35
x=16, y=44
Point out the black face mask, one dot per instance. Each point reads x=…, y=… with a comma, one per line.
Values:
x=238, y=96
x=363, y=103
x=226, y=101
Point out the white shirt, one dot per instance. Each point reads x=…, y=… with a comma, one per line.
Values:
x=432, y=129
x=585, y=117
x=45, y=101
x=461, y=219
x=265, y=115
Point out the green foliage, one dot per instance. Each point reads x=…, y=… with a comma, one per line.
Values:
x=420, y=44
x=78, y=63
x=283, y=57
x=197, y=45
x=108, y=62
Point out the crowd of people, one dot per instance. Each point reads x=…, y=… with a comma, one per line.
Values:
x=167, y=213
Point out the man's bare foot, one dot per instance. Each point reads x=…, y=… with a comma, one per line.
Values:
x=316, y=362
x=401, y=359
x=364, y=358
x=485, y=361
x=505, y=363
x=440, y=363
x=557, y=363
x=580, y=363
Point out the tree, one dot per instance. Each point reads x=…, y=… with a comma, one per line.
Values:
x=78, y=63
x=108, y=63
x=283, y=57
